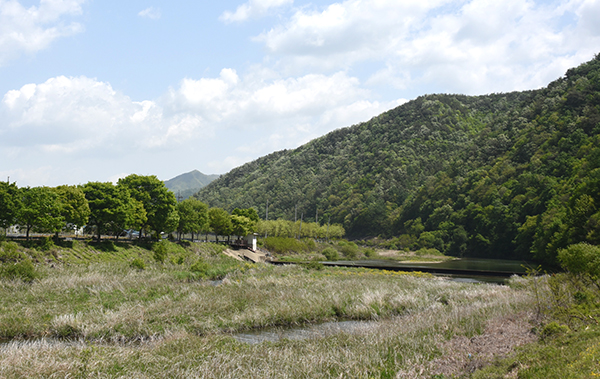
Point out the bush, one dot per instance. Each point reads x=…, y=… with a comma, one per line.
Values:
x=138, y=263
x=330, y=254
x=284, y=245
x=46, y=243
x=314, y=265
x=425, y=251
x=160, y=252
x=9, y=253
x=201, y=268
x=349, y=249
x=24, y=270
x=581, y=259
x=370, y=253
x=554, y=329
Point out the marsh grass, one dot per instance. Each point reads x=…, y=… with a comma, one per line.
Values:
x=114, y=310
x=400, y=344
x=107, y=318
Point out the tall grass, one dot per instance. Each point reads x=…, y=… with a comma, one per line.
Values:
x=112, y=309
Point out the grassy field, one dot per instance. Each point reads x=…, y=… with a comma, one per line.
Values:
x=91, y=311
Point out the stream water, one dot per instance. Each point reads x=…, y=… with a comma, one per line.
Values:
x=477, y=266
x=302, y=333
x=329, y=328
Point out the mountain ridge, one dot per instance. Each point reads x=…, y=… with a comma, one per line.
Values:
x=185, y=185
x=514, y=161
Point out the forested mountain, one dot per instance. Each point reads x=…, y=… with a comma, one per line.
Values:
x=185, y=185
x=513, y=175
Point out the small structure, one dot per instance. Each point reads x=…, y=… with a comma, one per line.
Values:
x=251, y=241
x=248, y=242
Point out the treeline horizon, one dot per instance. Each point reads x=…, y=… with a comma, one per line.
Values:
x=140, y=203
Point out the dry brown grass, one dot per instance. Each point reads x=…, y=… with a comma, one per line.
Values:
x=184, y=327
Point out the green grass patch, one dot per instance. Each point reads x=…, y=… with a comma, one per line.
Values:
x=568, y=355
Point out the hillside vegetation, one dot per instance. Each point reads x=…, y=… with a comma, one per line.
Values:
x=185, y=185
x=512, y=175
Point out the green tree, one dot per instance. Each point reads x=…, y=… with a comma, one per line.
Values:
x=193, y=216
x=10, y=204
x=241, y=225
x=220, y=222
x=160, y=203
x=250, y=213
x=74, y=207
x=581, y=259
x=40, y=210
x=111, y=207
x=137, y=217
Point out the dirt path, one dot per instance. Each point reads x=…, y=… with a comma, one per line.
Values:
x=464, y=355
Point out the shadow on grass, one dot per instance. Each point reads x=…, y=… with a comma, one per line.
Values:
x=110, y=246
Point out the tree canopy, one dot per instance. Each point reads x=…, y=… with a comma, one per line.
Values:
x=158, y=202
x=513, y=175
x=111, y=208
x=40, y=210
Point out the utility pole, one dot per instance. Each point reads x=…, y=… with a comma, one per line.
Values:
x=300, y=232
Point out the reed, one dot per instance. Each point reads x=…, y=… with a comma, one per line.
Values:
x=115, y=321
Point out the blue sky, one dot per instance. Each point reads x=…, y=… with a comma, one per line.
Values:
x=95, y=90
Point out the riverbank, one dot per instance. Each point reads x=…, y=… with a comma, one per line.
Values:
x=92, y=312
x=113, y=311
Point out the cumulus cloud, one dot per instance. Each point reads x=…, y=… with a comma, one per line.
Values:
x=85, y=119
x=253, y=9
x=151, y=13
x=459, y=46
x=27, y=30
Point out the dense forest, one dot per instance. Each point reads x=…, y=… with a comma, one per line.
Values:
x=513, y=175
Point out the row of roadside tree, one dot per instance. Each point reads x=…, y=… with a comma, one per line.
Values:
x=140, y=203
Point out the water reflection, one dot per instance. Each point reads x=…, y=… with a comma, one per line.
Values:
x=471, y=264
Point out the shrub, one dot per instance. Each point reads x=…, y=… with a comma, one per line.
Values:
x=581, y=259
x=201, y=268
x=160, y=252
x=370, y=253
x=330, y=254
x=554, y=329
x=349, y=249
x=24, y=270
x=314, y=265
x=46, y=243
x=425, y=251
x=284, y=245
x=138, y=263
x=9, y=253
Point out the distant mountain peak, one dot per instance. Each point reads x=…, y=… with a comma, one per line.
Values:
x=185, y=185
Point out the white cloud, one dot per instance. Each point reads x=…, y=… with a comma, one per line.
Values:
x=82, y=120
x=253, y=9
x=474, y=46
x=151, y=13
x=27, y=30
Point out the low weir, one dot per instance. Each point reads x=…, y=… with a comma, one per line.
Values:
x=468, y=267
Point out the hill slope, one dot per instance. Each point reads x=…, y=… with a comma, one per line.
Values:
x=189, y=183
x=503, y=175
